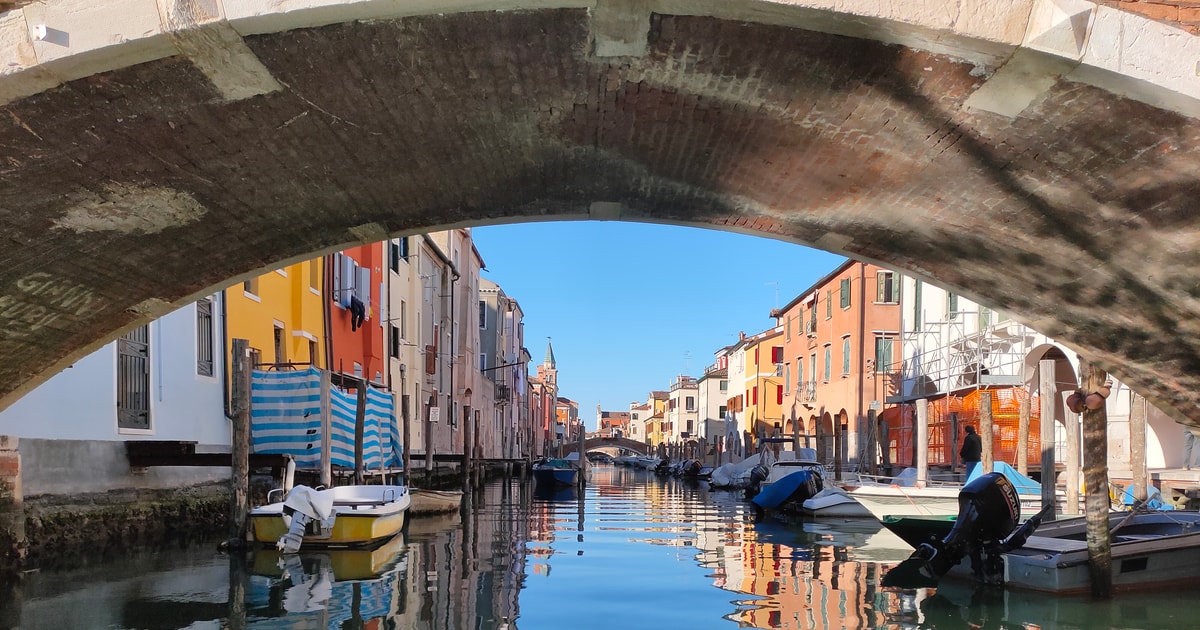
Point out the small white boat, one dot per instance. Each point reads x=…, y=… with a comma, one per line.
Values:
x=902, y=498
x=343, y=516
x=834, y=502
x=426, y=501
x=734, y=475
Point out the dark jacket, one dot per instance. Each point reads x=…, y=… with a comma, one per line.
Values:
x=972, y=448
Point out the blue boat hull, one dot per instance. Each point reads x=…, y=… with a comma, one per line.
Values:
x=555, y=476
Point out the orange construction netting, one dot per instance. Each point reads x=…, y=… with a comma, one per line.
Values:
x=943, y=446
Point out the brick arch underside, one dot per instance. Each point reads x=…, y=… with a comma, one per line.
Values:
x=130, y=192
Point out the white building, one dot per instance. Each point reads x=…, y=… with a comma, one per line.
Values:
x=164, y=381
x=952, y=345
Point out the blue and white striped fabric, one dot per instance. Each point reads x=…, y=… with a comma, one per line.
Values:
x=285, y=415
x=286, y=419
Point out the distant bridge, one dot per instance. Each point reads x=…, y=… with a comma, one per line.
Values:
x=608, y=442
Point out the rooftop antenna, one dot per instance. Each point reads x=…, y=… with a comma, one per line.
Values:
x=776, y=283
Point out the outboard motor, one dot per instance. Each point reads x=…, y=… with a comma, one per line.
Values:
x=986, y=527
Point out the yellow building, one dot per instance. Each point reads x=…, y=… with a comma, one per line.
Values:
x=282, y=314
x=656, y=427
x=764, y=385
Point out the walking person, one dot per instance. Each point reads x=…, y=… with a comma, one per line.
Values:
x=972, y=449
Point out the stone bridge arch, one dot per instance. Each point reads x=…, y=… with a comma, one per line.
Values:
x=1037, y=156
x=607, y=442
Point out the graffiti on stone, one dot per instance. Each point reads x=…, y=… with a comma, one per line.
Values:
x=40, y=299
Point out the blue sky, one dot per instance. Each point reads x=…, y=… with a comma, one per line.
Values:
x=629, y=306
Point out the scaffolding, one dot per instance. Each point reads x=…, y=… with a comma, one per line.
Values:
x=968, y=351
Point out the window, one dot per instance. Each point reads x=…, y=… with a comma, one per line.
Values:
x=778, y=394
x=403, y=319
x=358, y=369
x=723, y=386
x=788, y=328
x=828, y=303
x=828, y=361
x=314, y=275
x=845, y=356
x=689, y=403
x=916, y=312
x=280, y=351
x=397, y=250
x=887, y=290
x=313, y=349
x=394, y=341
x=799, y=371
x=985, y=318
x=482, y=313
x=133, y=380
x=787, y=377
x=754, y=395
x=204, y=337
x=776, y=354
x=350, y=281
x=250, y=286
x=844, y=290
x=722, y=410
x=482, y=361
x=952, y=305
x=812, y=366
x=883, y=354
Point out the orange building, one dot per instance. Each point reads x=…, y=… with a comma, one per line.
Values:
x=356, y=329
x=840, y=337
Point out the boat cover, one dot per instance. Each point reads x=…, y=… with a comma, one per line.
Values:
x=777, y=493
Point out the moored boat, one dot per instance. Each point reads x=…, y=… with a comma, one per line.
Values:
x=551, y=472
x=1150, y=550
x=342, y=516
x=834, y=502
x=426, y=501
x=903, y=498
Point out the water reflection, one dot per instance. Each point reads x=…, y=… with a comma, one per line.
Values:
x=629, y=550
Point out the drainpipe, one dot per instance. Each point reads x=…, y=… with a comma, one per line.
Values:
x=862, y=352
x=225, y=362
x=453, y=269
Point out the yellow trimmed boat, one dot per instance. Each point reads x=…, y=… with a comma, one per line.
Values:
x=343, y=516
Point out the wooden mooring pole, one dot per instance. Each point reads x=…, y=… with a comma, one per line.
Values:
x=1048, y=390
x=240, y=434
x=1095, y=476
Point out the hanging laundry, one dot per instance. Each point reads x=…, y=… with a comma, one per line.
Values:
x=358, y=311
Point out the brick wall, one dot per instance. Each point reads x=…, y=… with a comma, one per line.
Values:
x=10, y=473
x=1182, y=13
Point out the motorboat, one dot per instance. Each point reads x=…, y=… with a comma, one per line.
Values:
x=555, y=472
x=834, y=502
x=342, y=516
x=902, y=497
x=792, y=478
x=989, y=542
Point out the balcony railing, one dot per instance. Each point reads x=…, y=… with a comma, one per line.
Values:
x=808, y=391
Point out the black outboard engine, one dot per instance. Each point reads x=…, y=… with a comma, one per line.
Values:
x=988, y=512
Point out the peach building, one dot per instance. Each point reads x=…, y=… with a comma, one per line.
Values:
x=840, y=337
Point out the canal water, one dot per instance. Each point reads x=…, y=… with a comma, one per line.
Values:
x=629, y=551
